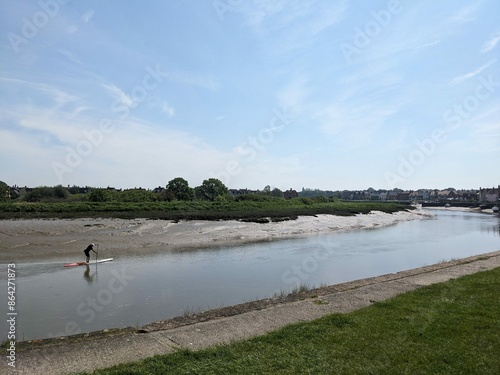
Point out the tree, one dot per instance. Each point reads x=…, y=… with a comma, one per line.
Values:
x=60, y=192
x=277, y=193
x=199, y=193
x=136, y=195
x=40, y=193
x=166, y=195
x=4, y=192
x=267, y=190
x=210, y=189
x=100, y=195
x=180, y=188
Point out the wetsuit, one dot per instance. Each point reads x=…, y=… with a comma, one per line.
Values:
x=88, y=250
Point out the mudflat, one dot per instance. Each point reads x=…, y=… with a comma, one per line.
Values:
x=26, y=240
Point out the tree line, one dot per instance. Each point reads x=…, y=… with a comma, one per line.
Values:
x=177, y=189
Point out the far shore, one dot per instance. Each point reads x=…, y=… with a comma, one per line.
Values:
x=463, y=209
x=27, y=240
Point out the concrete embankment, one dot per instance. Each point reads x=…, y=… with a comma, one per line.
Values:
x=76, y=354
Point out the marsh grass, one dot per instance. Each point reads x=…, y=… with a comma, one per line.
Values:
x=448, y=328
x=258, y=211
x=301, y=288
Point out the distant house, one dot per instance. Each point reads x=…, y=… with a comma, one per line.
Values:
x=467, y=195
x=433, y=195
x=383, y=196
x=446, y=195
x=415, y=196
x=404, y=196
x=14, y=192
x=83, y=190
x=345, y=194
x=158, y=190
x=424, y=195
x=488, y=195
x=238, y=192
x=392, y=196
x=290, y=194
x=360, y=196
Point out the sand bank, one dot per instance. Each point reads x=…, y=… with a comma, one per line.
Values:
x=65, y=239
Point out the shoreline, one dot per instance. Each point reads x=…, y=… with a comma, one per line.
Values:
x=476, y=210
x=24, y=240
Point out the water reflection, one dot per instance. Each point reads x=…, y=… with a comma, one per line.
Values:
x=490, y=229
x=87, y=276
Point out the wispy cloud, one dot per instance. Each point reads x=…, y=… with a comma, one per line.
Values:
x=77, y=111
x=491, y=43
x=266, y=17
x=157, y=103
x=36, y=122
x=294, y=94
x=54, y=93
x=70, y=55
x=486, y=138
x=337, y=119
x=87, y=16
x=460, y=79
x=119, y=95
x=428, y=44
x=194, y=79
x=328, y=17
x=465, y=14
x=72, y=29
x=258, y=13
x=167, y=109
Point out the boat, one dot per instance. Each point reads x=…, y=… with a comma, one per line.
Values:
x=495, y=209
x=86, y=264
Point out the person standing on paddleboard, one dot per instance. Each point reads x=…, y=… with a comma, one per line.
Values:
x=87, y=251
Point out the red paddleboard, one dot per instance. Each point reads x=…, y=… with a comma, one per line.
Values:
x=85, y=263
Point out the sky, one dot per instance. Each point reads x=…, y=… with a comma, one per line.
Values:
x=328, y=95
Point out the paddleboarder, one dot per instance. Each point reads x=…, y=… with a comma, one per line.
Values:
x=87, y=251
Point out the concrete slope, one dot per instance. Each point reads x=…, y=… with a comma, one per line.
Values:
x=100, y=351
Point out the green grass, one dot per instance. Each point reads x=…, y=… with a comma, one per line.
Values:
x=449, y=328
x=275, y=209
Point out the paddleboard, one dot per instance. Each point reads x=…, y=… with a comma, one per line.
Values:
x=84, y=263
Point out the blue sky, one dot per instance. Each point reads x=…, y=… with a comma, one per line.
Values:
x=291, y=94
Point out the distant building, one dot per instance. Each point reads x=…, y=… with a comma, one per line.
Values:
x=290, y=194
x=404, y=196
x=488, y=195
x=392, y=196
x=467, y=195
x=446, y=195
x=238, y=192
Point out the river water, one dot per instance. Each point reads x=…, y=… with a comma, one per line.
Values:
x=55, y=301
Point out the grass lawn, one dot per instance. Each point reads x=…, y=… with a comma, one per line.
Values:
x=449, y=328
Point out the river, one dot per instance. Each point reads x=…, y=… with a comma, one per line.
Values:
x=131, y=291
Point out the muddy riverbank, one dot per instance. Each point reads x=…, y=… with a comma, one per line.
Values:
x=37, y=239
